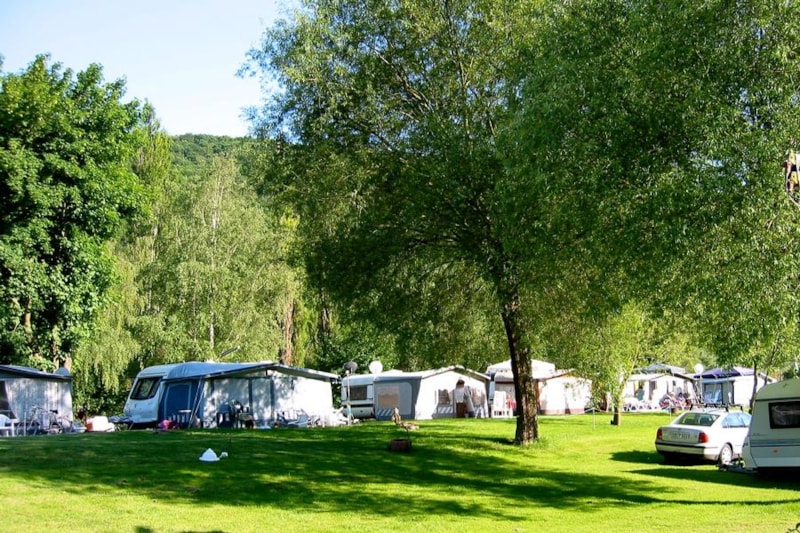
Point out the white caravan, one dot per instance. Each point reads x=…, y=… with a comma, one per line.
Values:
x=773, y=441
x=212, y=394
x=358, y=392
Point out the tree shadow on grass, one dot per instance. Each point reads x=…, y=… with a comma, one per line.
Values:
x=637, y=457
x=681, y=469
x=712, y=474
x=328, y=470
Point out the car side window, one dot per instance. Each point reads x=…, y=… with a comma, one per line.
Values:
x=734, y=420
x=729, y=422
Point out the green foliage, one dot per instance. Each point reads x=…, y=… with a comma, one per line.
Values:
x=649, y=136
x=218, y=276
x=66, y=185
x=104, y=365
x=394, y=107
x=191, y=152
x=611, y=353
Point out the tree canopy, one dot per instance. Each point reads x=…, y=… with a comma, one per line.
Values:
x=395, y=109
x=595, y=181
x=538, y=153
x=67, y=142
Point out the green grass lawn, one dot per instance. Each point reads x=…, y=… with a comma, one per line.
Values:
x=461, y=476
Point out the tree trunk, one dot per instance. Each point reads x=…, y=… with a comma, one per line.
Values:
x=616, y=418
x=616, y=398
x=27, y=326
x=527, y=414
x=286, y=353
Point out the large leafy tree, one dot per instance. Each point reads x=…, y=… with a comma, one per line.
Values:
x=392, y=109
x=651, y=134
x=67, y=142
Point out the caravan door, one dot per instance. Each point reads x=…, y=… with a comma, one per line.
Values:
x=179, y=401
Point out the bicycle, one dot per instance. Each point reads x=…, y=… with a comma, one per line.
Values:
x=42, y=421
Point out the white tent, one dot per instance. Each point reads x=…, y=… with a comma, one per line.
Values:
x=22, y=388
x=558, y=391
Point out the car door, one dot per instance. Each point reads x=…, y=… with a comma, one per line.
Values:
x=735, y=428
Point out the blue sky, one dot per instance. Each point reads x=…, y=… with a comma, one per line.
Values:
x=180, y=55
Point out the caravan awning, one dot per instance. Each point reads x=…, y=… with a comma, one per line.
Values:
x=423, y=374
x=654, y=377
x=196, y=369
x=302, y=372
x=720, y=373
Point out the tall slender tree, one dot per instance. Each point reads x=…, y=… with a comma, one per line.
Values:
x=392, y=109
x=219, y=276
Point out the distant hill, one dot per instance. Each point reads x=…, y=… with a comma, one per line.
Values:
x=191, y=152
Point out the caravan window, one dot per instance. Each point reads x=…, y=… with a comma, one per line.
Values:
x=145, y=388
x=358, y=393
x=712, y=393
x=784, y=414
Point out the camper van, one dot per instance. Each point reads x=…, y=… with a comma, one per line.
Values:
x=357, y=390
x=773, y=440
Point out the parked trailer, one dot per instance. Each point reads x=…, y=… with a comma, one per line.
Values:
x=358, y=395
x=773, y=440
x=210, y=394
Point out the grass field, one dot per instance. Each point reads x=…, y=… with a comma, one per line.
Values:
x=461, y=476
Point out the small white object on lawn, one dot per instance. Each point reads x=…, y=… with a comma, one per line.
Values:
x=209, y=456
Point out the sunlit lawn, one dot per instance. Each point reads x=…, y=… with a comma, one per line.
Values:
x=461, y=476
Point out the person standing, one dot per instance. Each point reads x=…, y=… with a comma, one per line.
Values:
x=460, y=396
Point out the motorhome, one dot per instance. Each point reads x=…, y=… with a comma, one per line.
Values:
x=773, y=440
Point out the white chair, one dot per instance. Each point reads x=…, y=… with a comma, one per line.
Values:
x=500, y=407
x=8, y=426
x=302, y=421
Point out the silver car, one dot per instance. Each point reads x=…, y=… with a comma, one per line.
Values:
x=711, y=434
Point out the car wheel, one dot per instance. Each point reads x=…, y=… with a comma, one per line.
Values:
x=725, y=455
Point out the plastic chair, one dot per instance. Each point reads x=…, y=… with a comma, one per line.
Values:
x=8, y=426
x=301, y=422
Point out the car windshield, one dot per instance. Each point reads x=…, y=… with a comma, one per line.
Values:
x=696, y=419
